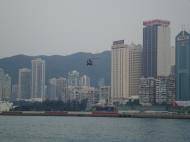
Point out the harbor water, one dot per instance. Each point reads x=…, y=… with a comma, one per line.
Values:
x=92, y=129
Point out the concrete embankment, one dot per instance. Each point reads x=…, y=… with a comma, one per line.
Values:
x=61, y=113
x=157, y=115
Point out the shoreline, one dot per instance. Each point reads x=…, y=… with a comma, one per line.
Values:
x=156, y=115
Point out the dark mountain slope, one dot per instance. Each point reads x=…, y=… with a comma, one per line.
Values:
x=57, y=65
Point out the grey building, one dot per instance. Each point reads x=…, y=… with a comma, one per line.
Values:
x=24, y=83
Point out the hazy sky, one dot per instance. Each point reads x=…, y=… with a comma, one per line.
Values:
x=35, y=27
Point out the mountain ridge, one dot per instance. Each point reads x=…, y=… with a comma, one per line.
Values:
x=59, y=65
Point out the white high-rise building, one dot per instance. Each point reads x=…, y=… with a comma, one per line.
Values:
x=38, y=79
x=5, y=86
x=126, y=70
x=84, y=81
x=24, y=83
x=135, y=68
x=119, y=72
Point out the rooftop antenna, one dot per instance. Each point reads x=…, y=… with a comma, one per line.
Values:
x=183, y=29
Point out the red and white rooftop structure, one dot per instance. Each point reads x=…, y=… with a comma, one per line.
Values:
x=156, y=22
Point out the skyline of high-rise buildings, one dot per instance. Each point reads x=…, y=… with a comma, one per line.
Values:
x=154, y=62
x=131, y=65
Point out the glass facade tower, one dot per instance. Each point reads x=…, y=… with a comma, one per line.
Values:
x=183, y=66
x=156, y=48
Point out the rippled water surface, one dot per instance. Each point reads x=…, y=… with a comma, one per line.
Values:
x=90, y=129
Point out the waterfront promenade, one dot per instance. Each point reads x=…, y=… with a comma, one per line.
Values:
x=158, y=115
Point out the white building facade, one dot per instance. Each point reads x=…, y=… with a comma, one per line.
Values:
x=135, y=68
x=38, y=78
x=119, y=71
x=126, y=70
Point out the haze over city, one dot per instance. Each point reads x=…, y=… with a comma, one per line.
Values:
x=68, y=26
x=94, y=70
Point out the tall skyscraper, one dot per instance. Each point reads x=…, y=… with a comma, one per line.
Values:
x=38, y=79
x=126, y=70
x=183, y=66
x=24, y=83
x=119, y=71
x=135, y=68
x=5, y=86
x=156, y=48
